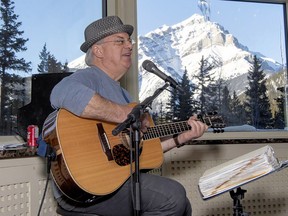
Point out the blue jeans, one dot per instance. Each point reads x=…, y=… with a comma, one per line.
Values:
x=159, y=196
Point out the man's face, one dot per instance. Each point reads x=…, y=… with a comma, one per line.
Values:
x=116, y=53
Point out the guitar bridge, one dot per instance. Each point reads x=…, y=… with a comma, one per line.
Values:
x=104, y=142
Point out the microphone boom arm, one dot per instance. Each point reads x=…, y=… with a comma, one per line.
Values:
x=137, y=110
x=151, y=67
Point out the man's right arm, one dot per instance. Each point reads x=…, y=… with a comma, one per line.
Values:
x=72, y=95
x=106, y=110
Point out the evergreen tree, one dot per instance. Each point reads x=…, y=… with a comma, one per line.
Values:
x=257, y=104
x=172, y=107
x=206, y=87
x=11, y=43
x=186, y=104
x=218, y=100
x=49, y=63
x=53, y=65
x=237, y=114
x=225, y=108
x=65, y=67
x=279, y=121
x=44, y=56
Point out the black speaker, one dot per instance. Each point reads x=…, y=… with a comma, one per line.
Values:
x=39, y=108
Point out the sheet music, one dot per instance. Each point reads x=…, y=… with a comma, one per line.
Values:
x=239, y=171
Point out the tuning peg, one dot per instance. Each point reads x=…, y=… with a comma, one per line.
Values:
x=218, y=130
x=212, y=113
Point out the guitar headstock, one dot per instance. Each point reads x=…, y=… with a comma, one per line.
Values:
x=213, y=121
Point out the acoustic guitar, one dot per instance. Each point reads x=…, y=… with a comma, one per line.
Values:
x=90, y=161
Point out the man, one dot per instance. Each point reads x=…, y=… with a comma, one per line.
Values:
x=95, y=93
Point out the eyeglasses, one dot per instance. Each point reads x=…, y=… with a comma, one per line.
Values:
x=120, y=41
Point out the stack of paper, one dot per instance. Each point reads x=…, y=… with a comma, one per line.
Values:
x=11, y=143
x=12, y=146
x=238, y=171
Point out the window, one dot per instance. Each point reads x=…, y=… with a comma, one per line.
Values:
x=54, y=30
x=223, y=47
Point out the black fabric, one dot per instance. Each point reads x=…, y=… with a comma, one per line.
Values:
x=39, y=108
x=64, y=212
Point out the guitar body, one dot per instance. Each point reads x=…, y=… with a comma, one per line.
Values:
x=82, y=169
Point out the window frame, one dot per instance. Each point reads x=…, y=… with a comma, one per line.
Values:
x=242, y=137
x=113, y=7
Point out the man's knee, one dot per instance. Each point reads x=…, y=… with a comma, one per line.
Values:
x=180, y=202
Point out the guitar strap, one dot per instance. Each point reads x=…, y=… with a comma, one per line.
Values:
x=124, y=95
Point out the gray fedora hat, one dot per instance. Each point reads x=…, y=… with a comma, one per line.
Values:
x=102, y=28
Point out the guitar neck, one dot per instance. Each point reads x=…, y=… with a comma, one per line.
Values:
x=165, y=130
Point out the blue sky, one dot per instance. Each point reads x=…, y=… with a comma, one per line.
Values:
x=60, y=24
x=257, y=26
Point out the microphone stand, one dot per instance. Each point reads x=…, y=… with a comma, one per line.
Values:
x=134, y=123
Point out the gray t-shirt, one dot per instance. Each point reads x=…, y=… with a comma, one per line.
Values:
x=75, y=91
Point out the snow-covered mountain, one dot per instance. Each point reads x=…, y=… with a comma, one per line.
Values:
x=176, y=48
x=182, y=46
x=78, y=63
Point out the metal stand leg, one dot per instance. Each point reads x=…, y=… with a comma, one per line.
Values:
x=237, y=207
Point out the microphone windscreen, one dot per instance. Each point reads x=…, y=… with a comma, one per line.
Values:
x=148, y=65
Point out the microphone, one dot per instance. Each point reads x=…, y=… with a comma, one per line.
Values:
x=151, y=67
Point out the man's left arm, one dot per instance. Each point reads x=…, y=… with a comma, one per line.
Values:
x=197, y=130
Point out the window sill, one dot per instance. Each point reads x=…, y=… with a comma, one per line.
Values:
x=243, y=137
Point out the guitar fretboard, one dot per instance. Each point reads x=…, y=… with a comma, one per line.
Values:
x=166, y=130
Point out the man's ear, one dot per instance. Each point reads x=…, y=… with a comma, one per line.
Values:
x=97, y=50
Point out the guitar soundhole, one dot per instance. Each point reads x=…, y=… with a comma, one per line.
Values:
x=121, y=155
